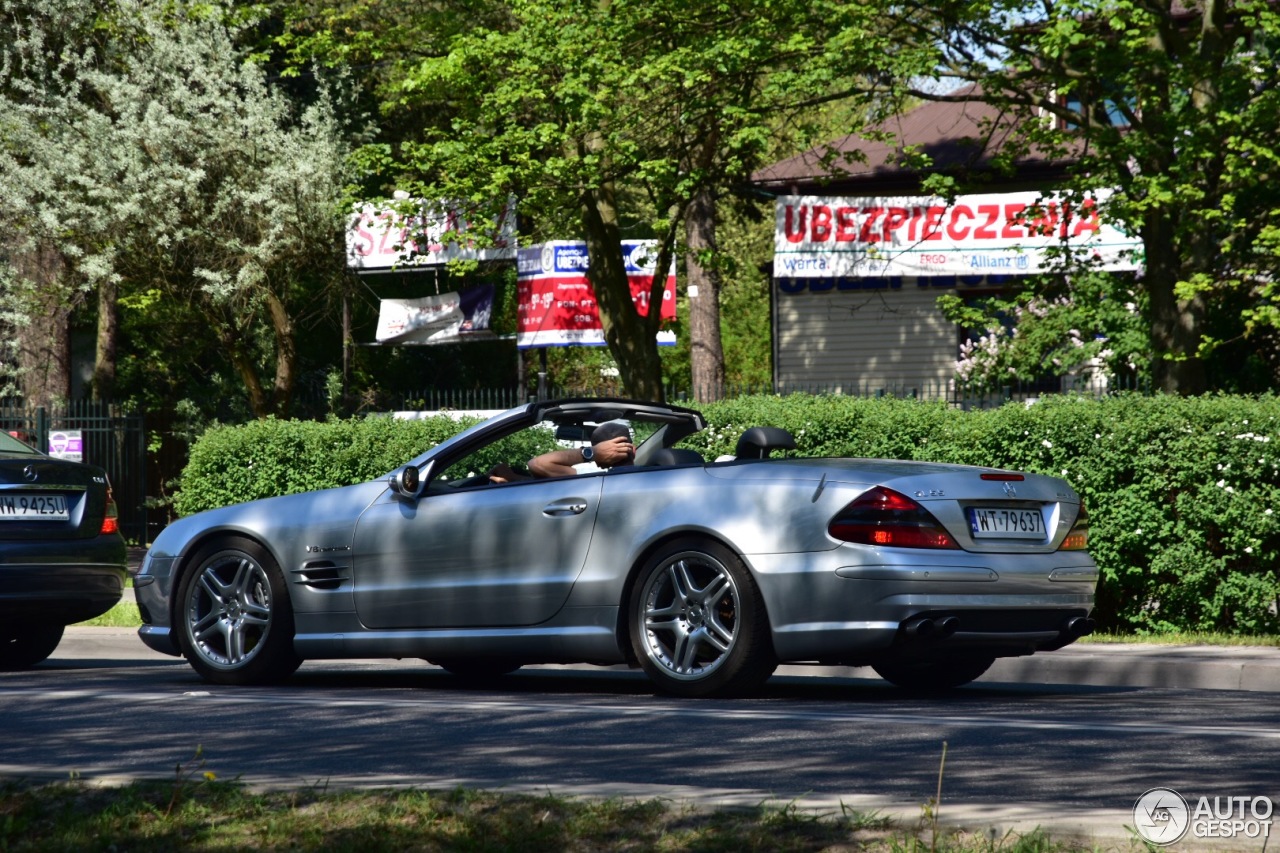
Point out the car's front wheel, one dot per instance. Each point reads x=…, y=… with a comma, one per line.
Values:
x=697, y=622
x=235, y=620
x=25, y=645
x=942, y=674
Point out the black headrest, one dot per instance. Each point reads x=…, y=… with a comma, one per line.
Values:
x=756, y=442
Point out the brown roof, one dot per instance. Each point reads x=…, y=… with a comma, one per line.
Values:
x=958, y=136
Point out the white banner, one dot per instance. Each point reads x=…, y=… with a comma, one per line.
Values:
x=996, y=234
x=442, y=319
x=381, y=238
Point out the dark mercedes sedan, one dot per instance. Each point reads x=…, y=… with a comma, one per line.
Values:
x=62, y=558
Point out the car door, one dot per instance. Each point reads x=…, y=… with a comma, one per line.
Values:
x=504, y=555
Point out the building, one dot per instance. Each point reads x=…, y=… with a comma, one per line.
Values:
x=861, y=253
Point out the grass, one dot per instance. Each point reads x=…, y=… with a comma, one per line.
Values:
x=199, y=813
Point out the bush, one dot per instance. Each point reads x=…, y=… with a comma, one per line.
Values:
x=232, y=464
x=1181, y=492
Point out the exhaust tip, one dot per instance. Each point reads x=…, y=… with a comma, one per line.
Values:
x=948, y=625
x=921, y=627
x=1080, y=626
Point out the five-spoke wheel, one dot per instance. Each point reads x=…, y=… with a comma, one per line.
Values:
x=235, y=621
x=697, y=622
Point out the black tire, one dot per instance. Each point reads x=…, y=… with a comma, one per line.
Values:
x=697, y=622
x=234, y=618
x=24, y=646
x=936, y=675
x=477, y=669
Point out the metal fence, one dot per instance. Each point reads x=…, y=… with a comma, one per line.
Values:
x=955, y=394
x=111, y=439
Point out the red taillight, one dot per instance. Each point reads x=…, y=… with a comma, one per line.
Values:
x=110, y=518
x=1078, y=538
x=1003, y=477
x=884, y=517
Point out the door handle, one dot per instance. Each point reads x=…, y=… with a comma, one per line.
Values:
x=568, y=506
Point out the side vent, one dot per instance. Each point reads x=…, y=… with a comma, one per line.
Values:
x=322, y=575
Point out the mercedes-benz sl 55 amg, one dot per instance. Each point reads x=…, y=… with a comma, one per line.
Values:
x=705, y=573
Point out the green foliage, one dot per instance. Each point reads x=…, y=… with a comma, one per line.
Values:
x=1180, y=492
x=1054, y=326
x=231, y=464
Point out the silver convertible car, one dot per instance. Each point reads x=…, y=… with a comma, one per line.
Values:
x=705, y=573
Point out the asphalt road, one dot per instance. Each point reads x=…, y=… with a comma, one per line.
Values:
x=1070, y=757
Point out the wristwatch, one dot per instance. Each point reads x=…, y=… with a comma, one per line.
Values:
x=588, y=453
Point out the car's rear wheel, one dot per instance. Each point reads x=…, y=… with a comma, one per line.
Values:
x=23, y=646
x=235, y=620
x=697, y=622
x=934, y=675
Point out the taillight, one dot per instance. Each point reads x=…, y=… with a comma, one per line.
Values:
x=1078, y=538
x=884, y=517
x=111, y=517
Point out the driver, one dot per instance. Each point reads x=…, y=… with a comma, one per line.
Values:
x=611, y=445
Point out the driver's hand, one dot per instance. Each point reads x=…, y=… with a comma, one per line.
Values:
x=615, y=451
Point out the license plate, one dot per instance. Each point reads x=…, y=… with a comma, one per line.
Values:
x=1006, y=523
x=21, y=506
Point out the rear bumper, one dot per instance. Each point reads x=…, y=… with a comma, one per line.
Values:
x=64, y=581
x=858, y=606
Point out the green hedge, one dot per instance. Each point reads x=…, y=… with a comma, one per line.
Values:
x=231, y=464
x=1181, y=492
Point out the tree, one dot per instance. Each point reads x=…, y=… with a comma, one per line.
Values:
x=1176, y=107
x=602, y=118
x=164, y=166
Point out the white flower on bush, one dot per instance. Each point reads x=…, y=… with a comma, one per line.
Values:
x=1047, y=443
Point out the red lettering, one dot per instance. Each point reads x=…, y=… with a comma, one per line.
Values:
x=820, y=229
x=894, y=219
x=987, y=231
x=1013, y=218
x=1089, y=222
x=955, y=230
x=933, y=223
x=846, y=224
x=1046, y=221
x=867, y=235
x=793, y=225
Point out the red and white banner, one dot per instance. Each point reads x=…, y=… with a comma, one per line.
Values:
x=557, y=305
x=1000, y=233
x=384, y=238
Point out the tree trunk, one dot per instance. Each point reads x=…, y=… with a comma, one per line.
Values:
x=104, y=361
x=633, y=346
x=706, y=353
x=44, y=343
x=286, y=355
x=1176, y=324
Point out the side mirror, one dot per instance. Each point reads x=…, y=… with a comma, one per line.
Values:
x=407, y=482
